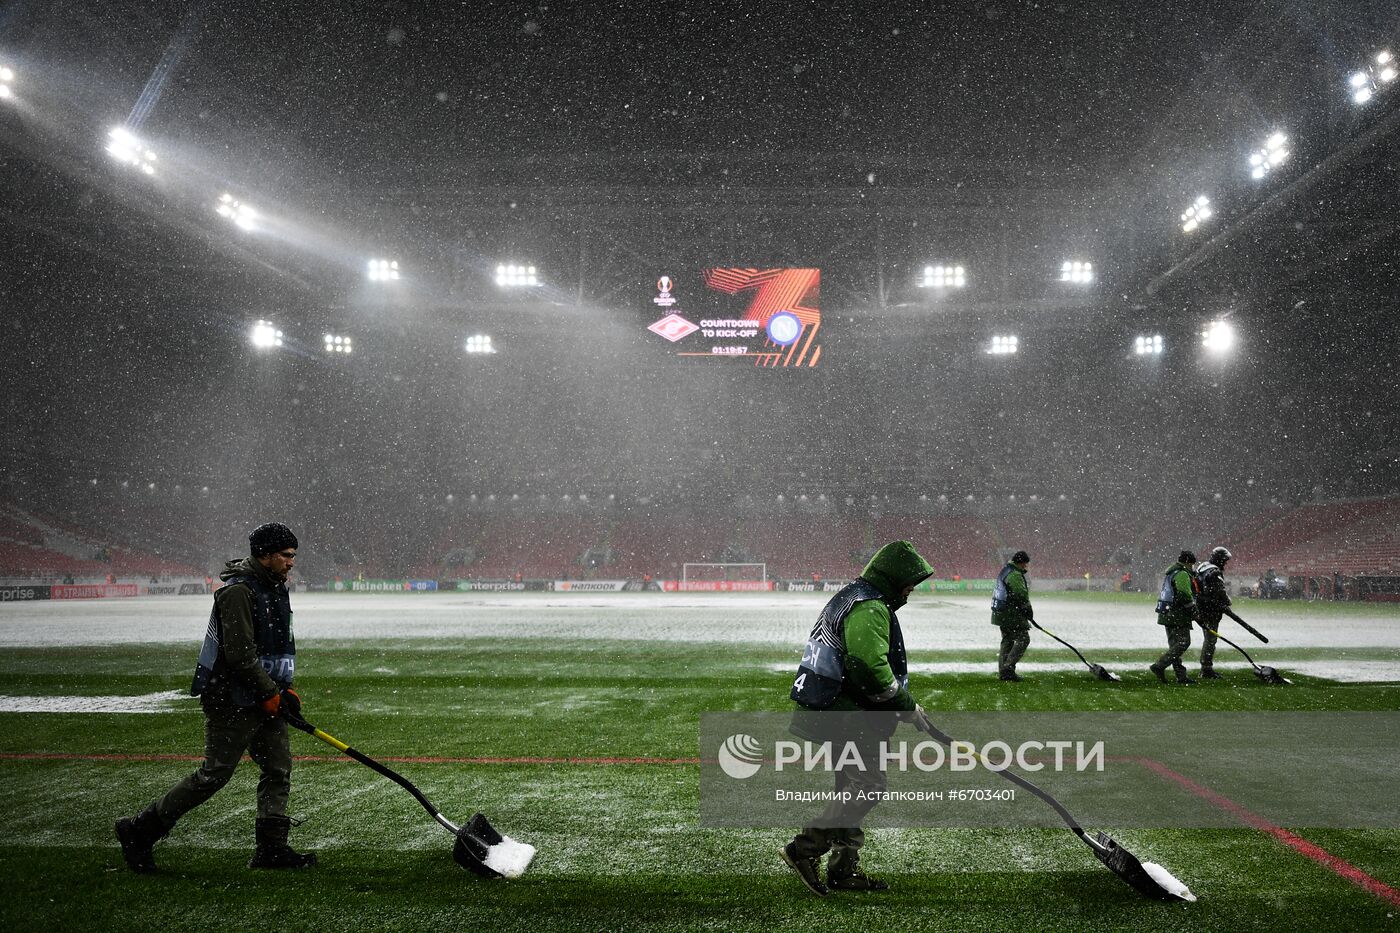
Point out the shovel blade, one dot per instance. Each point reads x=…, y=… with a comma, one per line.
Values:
x=483, y=851
x=1271, y=675
x=1102, y=673
x=1126, y=866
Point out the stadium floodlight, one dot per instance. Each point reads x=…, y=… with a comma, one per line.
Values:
x=126, y=148
x=1219, y=337
x=383, y=270
x=266, y=336
x=1079, y=273
x=1270, y=156
x=242, y=216
x=944, y=277
x=1198, y=213
x=7, y=77
x=480, y=343
x=338, y=344
x=509, y=275
x=1365, y=84
x=1003, y=344
x=1148, y=345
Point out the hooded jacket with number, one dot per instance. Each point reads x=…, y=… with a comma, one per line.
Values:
x=249, y=651
x=855, y=658
x=1176, y=603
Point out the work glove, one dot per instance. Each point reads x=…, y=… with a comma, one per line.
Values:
x=271, y=704
x=917, y=717
x=291, y=704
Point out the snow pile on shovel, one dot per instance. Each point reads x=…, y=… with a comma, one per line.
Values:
x=1168, y=881
x=511, y=857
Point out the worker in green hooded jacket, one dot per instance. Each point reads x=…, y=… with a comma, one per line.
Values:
x=854, y=663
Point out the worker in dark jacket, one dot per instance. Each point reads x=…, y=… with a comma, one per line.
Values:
x=1011, y=612
x=1177, y=612
x=854, y=663
x=1213, y=600
x=244, y=683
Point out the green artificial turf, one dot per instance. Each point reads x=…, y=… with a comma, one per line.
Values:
x=619, y=844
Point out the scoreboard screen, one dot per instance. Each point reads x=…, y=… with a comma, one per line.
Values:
x=758, y=317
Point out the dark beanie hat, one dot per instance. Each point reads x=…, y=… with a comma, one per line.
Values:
x=1186, y=557
x=1020, y=557
x=274, y=536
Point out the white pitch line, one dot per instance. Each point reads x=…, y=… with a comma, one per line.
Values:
x=145, y=703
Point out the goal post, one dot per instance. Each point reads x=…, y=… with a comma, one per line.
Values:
x=723, y=573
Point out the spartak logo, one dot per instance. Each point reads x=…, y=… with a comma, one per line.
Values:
x=673, y=327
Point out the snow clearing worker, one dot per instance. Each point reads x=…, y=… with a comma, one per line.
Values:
x=1213, y=600
x=244, y=683
x=1177, y=611
x=854, y=664
x=1011, y=612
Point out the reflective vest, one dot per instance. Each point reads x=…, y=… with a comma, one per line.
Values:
x=272, y=631
x=1169, y=599
x=822, y=672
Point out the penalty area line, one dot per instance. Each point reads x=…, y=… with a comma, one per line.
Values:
x=1295, y=842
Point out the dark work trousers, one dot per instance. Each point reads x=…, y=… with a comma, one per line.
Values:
x=1178, y=640
x=837, y=828
x=1210, y=624
x=229, y=731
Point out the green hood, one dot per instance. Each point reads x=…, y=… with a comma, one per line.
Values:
x=895, y=566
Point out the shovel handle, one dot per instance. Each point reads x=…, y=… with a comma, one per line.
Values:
x=1246, y=626
x=1011, y=776
x=298, y=723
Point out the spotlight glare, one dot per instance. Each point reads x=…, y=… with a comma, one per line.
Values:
x=510, y=275
x=1148, y=345
x=480, y=343
x=242, y=216
x=126, y=148
x=1219, y=337
x=336, y=344
x=6, y=73
x=944, y=276
x=1003, y=344
x=383, y=270
x=1273, y=154
x=1198, y=213
x=265, y=335
x=1078, y=273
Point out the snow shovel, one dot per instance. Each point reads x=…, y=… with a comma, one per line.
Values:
x=479, y=848
x=1247, y=627
x=1099, y=670
x=1265, y=673
x=1147, y=878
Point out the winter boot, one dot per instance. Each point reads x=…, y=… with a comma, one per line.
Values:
x=1009, y=675
x=1208, y=673
x=808, y=869
x=1184, y=679
x=138, y=835
x=1160, y=671
x=273, y=851
x=843, y=873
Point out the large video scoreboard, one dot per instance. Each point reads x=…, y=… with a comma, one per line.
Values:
x=762, y=317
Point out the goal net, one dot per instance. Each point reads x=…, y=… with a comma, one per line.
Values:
x=725, y=576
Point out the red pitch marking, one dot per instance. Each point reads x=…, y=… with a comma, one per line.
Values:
x=1295, y=842
x=400, y=759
